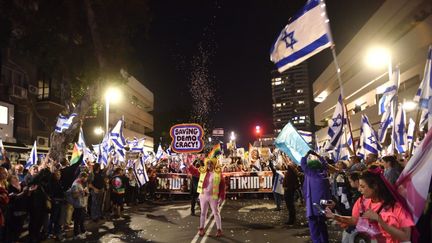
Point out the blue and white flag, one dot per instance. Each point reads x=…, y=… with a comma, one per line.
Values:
x=64, y=122
x=168, y=151
x=368, y=138
x=306, y=34
x=410, y=132
x=278, y=183
x=400, y=136
x=386, y=123
x=387, y=98
x=424, y=93
x=159, y=152
x=137, y=145
x=1, y=149
x=140, y=172
x=344, y=148
x=336, y=125
x=118, y=140
x=104, y=148
x=292, y=143
x=32, y=160
x=87, y=154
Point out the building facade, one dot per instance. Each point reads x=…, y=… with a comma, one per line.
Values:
x=292, y=99
x=135, y=107
x=402, y=26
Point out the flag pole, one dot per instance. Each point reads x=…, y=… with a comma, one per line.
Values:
x=338, y=71
x=417, y=121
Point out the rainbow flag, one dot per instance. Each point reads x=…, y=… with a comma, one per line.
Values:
x=216, y=150
x=75, y=154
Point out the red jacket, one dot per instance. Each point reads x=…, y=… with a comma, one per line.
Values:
x=4, y=200
x=195, y=172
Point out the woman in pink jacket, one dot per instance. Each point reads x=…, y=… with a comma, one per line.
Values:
x=211, y=189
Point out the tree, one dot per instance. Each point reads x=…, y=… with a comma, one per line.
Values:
x=83, y=43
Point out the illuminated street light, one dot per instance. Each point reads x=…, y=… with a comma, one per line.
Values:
x=98, y=131
x=233, y=136
x=112, y=94
x=378, y=57
x=257, y=130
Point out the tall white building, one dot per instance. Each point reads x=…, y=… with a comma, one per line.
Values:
x=136, y=104
x=402, y=26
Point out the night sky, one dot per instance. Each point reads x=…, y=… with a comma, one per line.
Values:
x=236, y=36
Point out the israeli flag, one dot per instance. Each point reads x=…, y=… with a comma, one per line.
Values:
x=118, y=141
x=387, y=99
x=344, y=147
x=32, y=160
x=424, y=93
x=386, y=123
x=278, y=183
x=104, y=151
x=306, y=34
x=168, y=151
x=140, y=172
x=400, y=136
x=159, y=152
x=64, y=122
x=336, y=125
x=137, y=145
x=410, y=132
x=368, y=138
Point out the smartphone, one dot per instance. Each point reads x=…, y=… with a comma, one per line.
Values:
x=320, y=209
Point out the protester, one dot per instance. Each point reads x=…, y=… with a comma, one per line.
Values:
x=290, y=184
x=57, y=195
x=77, y=196
x=17, y=209
x=96, y=186
x=392, y=168
x=117, y=192
x=4, y=199
x=211, y=187
x=131, y=189
x=316, y=188
x=277, y=196
x=378, y=210
x=194, y=186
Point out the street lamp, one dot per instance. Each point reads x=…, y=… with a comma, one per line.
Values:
x=378, y=57
x=98, y=131
x=112, y=94
x=233, y=136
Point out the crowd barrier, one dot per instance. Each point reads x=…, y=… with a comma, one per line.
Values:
x=236, y=182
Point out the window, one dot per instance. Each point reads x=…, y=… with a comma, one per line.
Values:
x=301, y=102
x=302, y=117
x=278, y=105
x=4, y=115
x=43, y=89
x=278, y=119
x=277, y=83
x=300, y=91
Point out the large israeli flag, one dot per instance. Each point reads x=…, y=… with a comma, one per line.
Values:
x=64, y=122
x=32, y=160
x=104, y=150
x=424, y=93
x=292, y=143
x=159, y=152
x=118, y=140
x=368, y=138
x=140, y=172
x=400, y=136
x=306, y=34
x=137, y=145
x=386, y=123
x=345, y=147
x=336, y=125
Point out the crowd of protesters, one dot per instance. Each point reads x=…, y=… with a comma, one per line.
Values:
x=51, y=198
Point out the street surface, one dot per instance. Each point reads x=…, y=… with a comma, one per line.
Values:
x=243, y=220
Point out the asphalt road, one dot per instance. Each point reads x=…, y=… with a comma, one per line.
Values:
x=243, y=220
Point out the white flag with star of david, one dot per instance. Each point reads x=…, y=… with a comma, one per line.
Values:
x=306, y=34
x=140, y=172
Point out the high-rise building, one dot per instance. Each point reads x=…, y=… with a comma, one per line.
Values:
x=292, y=99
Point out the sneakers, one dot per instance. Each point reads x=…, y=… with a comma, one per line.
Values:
x=201, y=232
x=219, y=233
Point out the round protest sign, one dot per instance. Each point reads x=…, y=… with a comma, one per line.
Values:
x=187, y=138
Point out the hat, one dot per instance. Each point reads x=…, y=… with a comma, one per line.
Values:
x=314, y=164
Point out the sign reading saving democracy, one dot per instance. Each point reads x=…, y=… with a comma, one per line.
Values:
x=187, y=138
